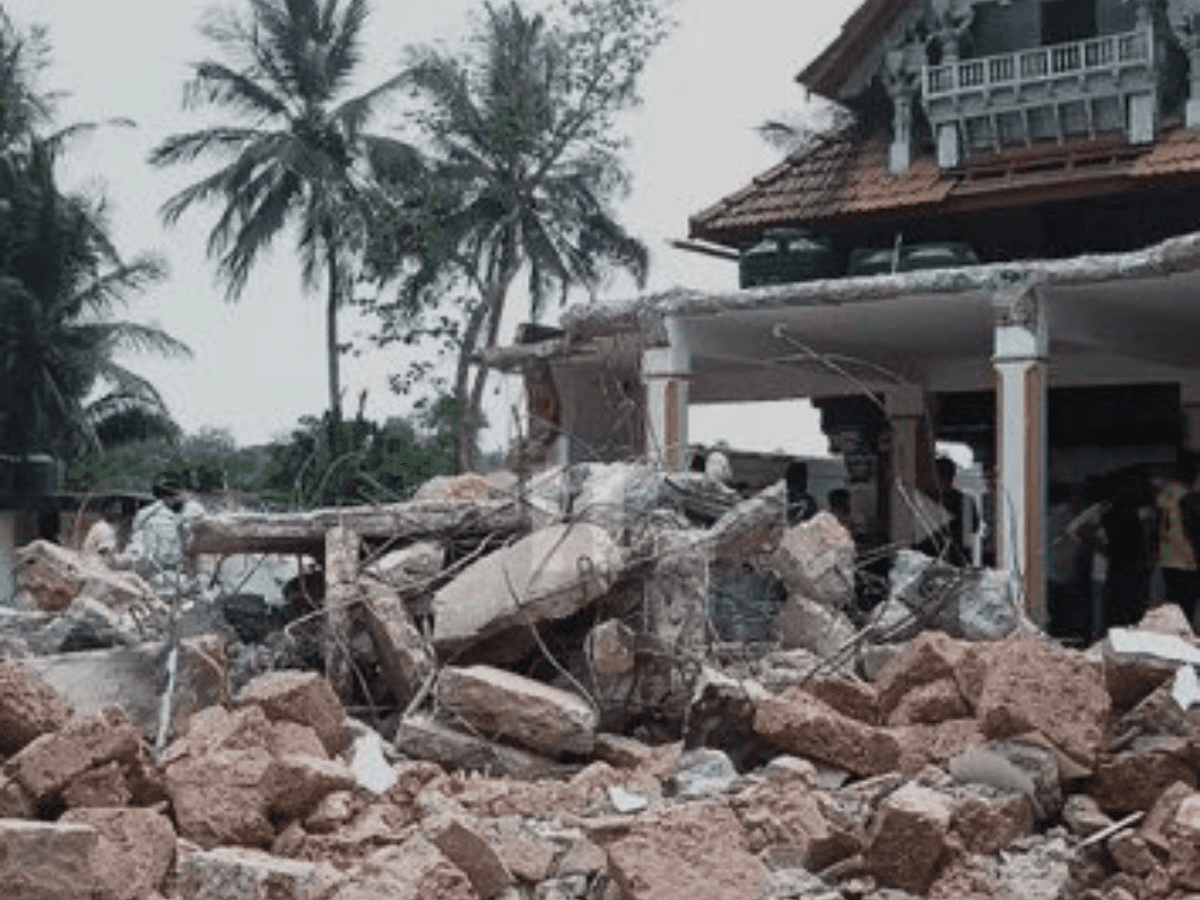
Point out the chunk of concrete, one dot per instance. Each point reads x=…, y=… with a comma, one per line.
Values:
x=551, y=574
x=56, y=575
x=542, y=718
x=1136, y=662
x=47, y=861
x=849, y=696
x=131, y=678
x=292, y=786
x=466, y=847
x=1031, y=685
x=410, y=568
x=414, y=870
x=750, y=530
x=611, y=647
x=787, y=815
x=816, y=559
x=304, y=697
x=1083, y=816
x=405, y=656
x=49, y=763
x=1132, y=780
x=699, y=773
x=908, y=838
x=929, y=657
x=937, y=701
x=986, y=825
x=218, y=798
x=14, y=802
x=134, y=852
x=1155, y=826
x=676, y=590
x=813, y=626
x=104, y=786
x=237, y=873
x=1131, y=853
x=1017, y=767
x=687, y=853
x=28, y=707
x=1183, y=864
x=801, y=724
x=419, y=737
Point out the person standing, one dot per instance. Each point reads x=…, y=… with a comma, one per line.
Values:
x=159, y=537
x=801, y=505
x=1176, y=549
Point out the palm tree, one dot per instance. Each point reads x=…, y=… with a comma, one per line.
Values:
x=524, y=168
x=301, y=157
x=61, y=279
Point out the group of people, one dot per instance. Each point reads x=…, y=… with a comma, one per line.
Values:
x=1120, y=544
x=151, y=541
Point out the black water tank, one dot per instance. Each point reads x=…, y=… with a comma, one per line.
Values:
x=786, y=255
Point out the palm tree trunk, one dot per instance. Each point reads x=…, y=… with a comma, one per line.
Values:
x=464, y=429
x=493, y=306
x=334, y=424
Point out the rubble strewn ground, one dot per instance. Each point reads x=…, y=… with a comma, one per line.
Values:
x=555, y=716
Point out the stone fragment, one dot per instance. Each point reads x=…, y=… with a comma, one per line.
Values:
x=937, y=701
x=791, y=768
x=236, y=873
x=28, y=707
x=49, y=763
x=929, y=657
x=334, y=811
x=1131, y=852
x=304, y=697
x=582, y=857
x=687, y=853
x=405, y=656
x=1160, y=816
x=925, y=745
x=908, y=838
x=721, y=716
x=47, y=861
x=1016, y=767
x=56, y=575
x=414, y=870
x=1014, y=698
x=292, y=786
x=409, y=568
x=293, y=739
x=749, y=530
x=801, y=724
x=988, y=824
x=129, y=678
x=816, y=560
x=849, y=696
x=371, y=770
x=698, y=773
x=1083, y=815
x=216, y=728
x=419, y=737
x=523, y=850
x=463, y=844
x=537, y=716
x=551, y=574
x=874, y=659
x=984, y=608
x=99, y=787
x=675, y=591
x=622, y=752
x=1183, y=863
x=787, y=815
x=611, y=647
x=1133, y=780
x=1136, y=662
x=1168, y=619
x=813, y=626
x=217, y=798
x=134, y=852
x=14, y=802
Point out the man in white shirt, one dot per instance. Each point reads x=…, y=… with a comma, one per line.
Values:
x=160, y=533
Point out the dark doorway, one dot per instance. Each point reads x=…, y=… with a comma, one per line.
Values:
x=1068, y=20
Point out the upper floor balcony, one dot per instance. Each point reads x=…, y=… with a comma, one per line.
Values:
x=1076, y=89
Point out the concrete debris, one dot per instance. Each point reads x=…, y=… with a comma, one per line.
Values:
x=656, y=692
x=55, y=576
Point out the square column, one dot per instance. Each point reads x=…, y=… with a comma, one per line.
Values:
x=911, y=463
x=1021, y=351
x=666, y=372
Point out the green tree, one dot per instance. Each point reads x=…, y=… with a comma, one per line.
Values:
x=298, y=157
x=61, y=280
x=523, y=168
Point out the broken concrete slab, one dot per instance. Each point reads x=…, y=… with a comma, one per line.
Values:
x=292, y=786
x=687, y=853
x=816, y=559
x=304, y=697
x=135, y=850
x=131, y=678
x=237, y=873
x=929, y=657
x=1136, y=662
x=56, y=575
x=803, y=725
x=1013, y=698
x=1132, y=780
x=405, y=656
x=785, y=815
x=28, y=707
x=908, y=838
x=849, y=696
x=750, y=530
x=419, y=737
x=676, y=589
x=551, y=574
x=409, y=568
x=47, y=860
x=304, y=532
x=50, y=762
x=465, y=846
x=218, y=799
x=541, y=718
x=814, y=626
x=414, y=870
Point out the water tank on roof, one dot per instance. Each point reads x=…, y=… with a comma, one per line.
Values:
x=910, y=258
x=786, y=255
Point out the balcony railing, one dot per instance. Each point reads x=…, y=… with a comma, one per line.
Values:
x=1016, y=70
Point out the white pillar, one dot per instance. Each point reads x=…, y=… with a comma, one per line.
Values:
x=666, y=372
x=1021, y=351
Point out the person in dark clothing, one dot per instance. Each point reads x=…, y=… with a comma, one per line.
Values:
x=1127, y=585
x=800, y=503
x=949, y=542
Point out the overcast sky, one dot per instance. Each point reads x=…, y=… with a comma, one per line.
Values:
x=260, y=364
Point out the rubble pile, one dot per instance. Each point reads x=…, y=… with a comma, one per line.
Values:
x=549, y=712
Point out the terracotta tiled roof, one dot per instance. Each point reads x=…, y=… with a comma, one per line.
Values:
x=837, y=175
x=844, y=176
x=827, y=74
